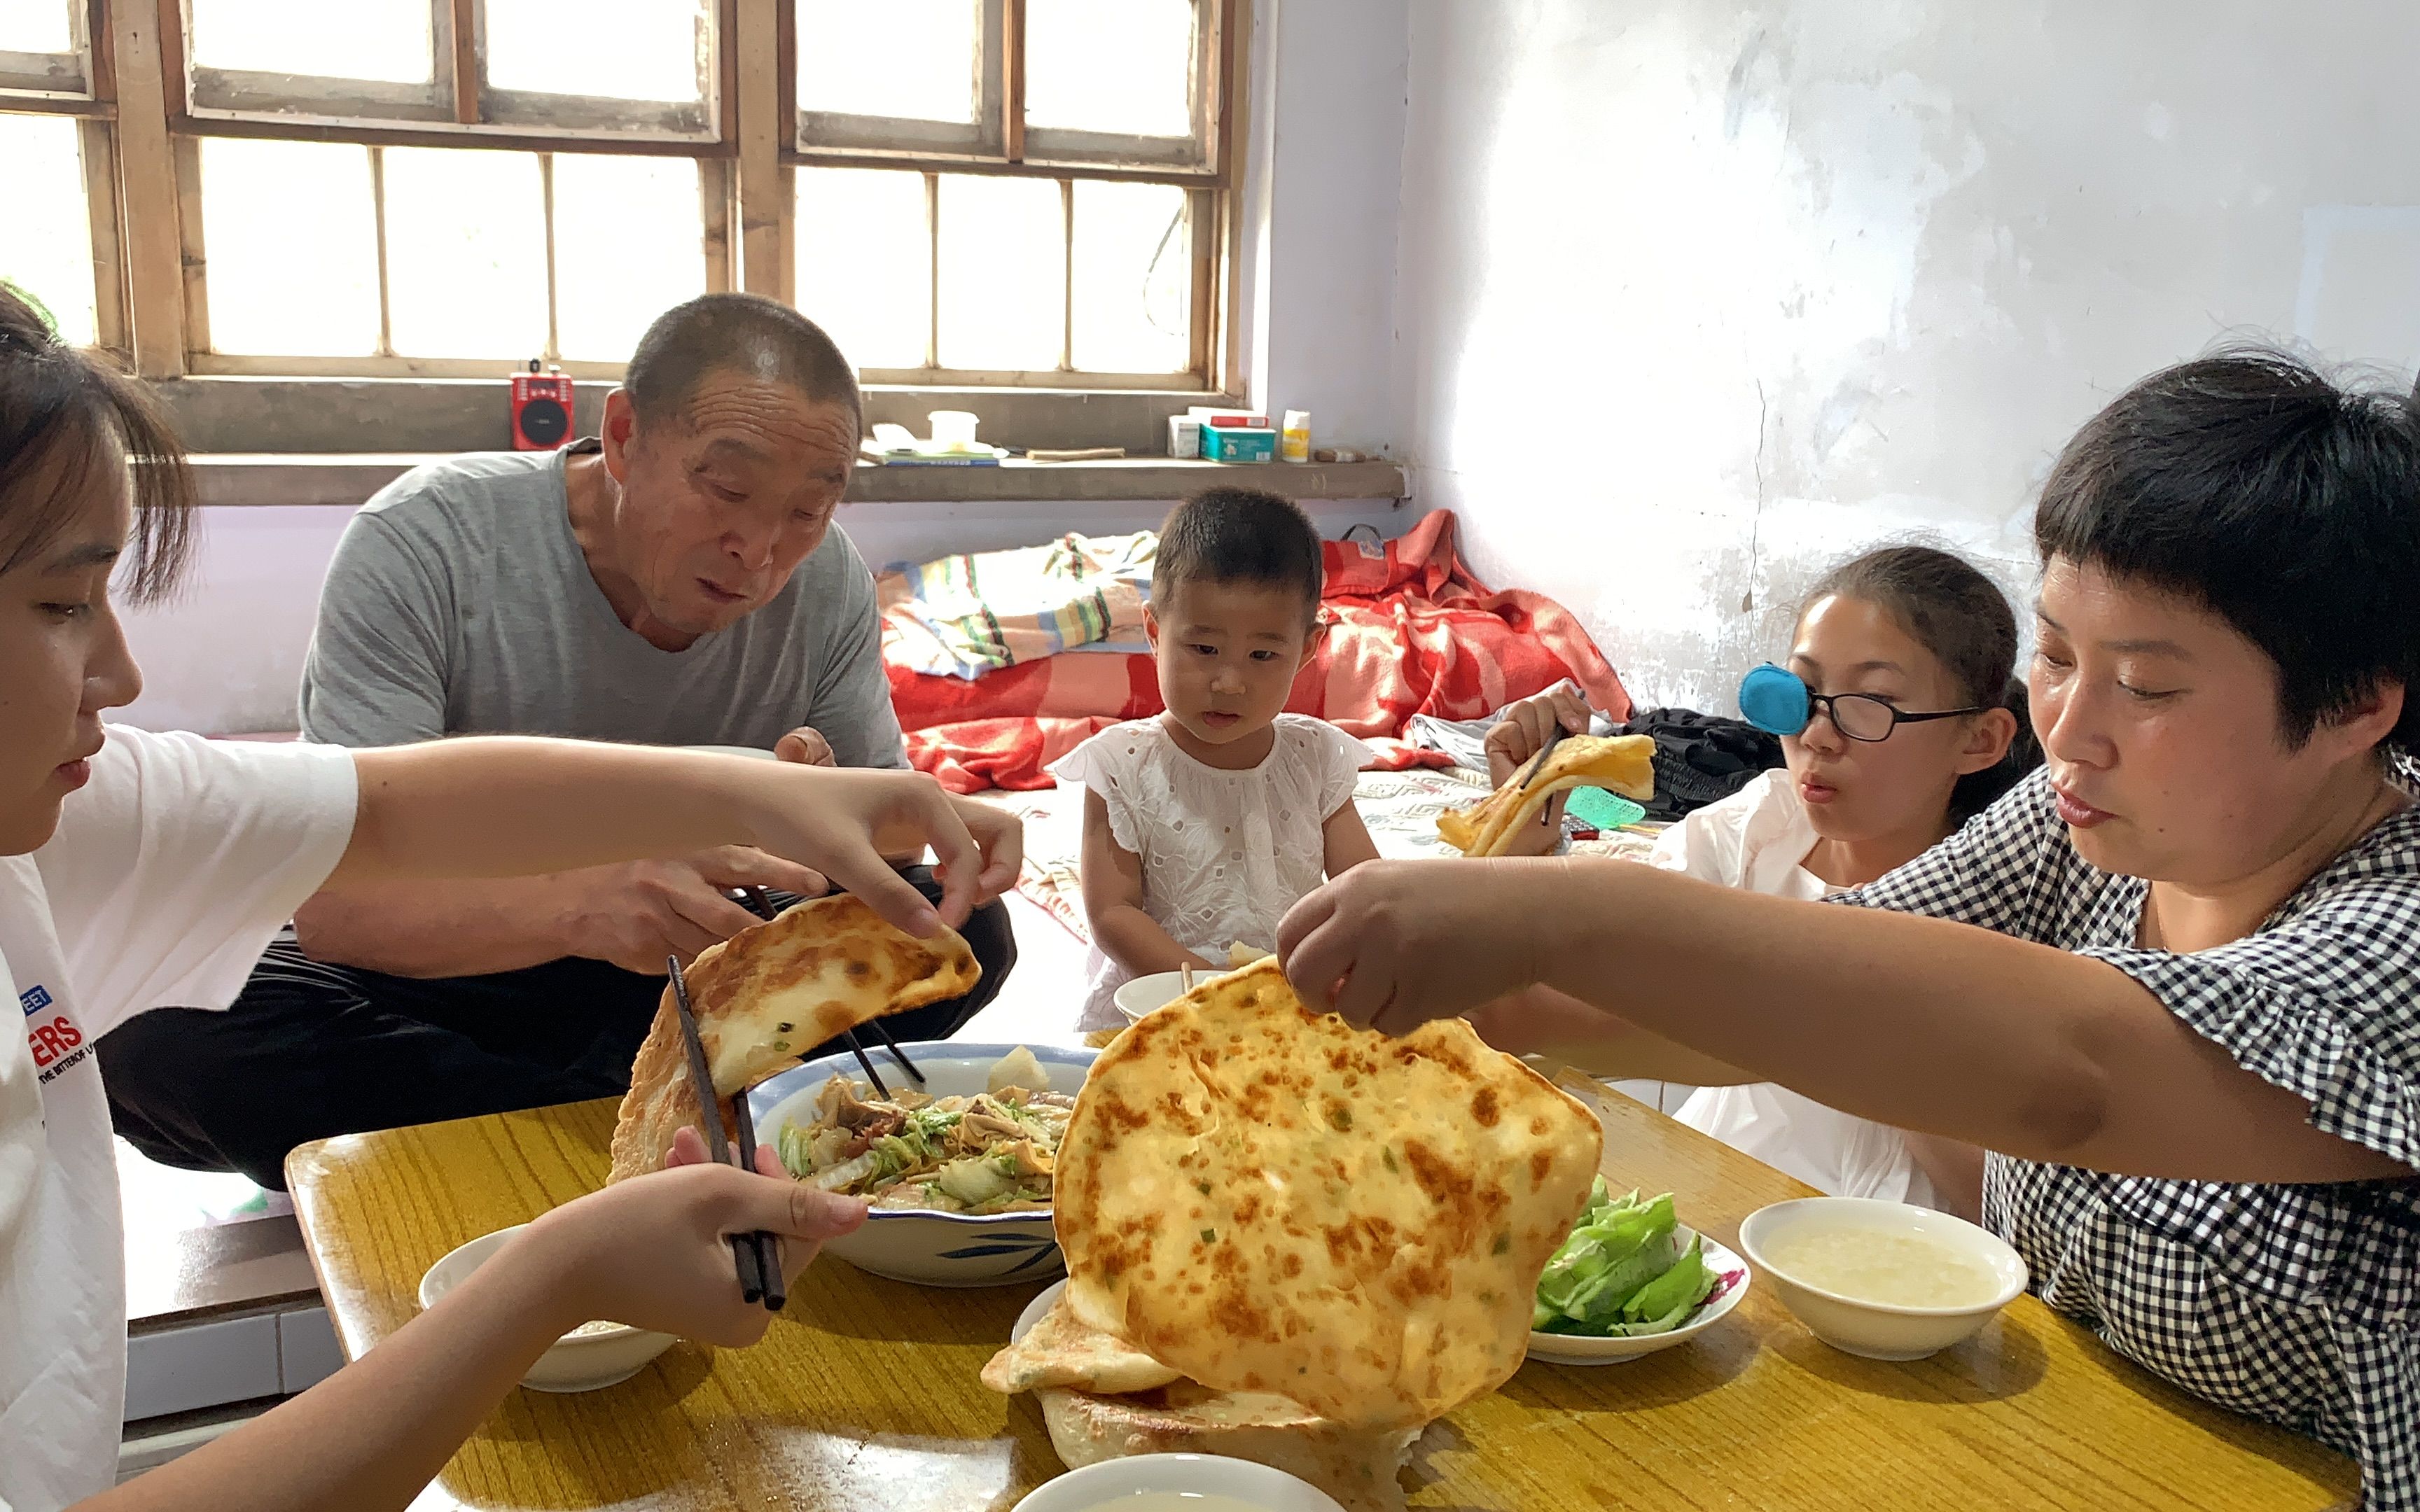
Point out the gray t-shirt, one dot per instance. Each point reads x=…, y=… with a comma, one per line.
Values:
x=459, y=603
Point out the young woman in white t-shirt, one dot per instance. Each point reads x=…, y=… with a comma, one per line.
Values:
x=138, y=868
x=1204, y=824
x=1907, y=724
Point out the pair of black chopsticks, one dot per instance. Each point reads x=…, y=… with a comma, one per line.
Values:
x=761, y=904
x=758, y=1254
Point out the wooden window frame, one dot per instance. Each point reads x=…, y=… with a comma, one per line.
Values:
x=36, y=84
x=1000, y=143
x=141, y=134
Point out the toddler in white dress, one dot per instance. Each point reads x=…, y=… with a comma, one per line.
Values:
x=1204, y=824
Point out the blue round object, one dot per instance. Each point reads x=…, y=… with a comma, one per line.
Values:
x=1774, y=699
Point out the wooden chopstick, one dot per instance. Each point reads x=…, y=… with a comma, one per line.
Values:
x=752, y=1286
x=761, y=903
x=746, y=1251
x=848, y=1036
x=1554, y=738
x=769, y=1248
x=897, y=1053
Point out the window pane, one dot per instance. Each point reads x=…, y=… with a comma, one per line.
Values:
x=292, y=239
x=909, y=59
x=1003, y=272
x=465, y=252
x=1133, y=278
x=381, y=40
x=36, y=26
x=629, y=243
x=46, y=241
x=619, y=49
x=865, y=262
x=1124, y=66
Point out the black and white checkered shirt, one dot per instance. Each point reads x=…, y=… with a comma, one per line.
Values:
x=2296, y=1305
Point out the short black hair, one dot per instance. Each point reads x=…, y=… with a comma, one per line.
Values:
x=736, y=333
x=1240, y=535
x=2286, y=505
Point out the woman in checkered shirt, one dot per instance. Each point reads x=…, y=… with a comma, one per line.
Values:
x=2172, y=981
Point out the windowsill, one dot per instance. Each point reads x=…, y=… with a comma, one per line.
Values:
x=434, y=416
x=233, y=479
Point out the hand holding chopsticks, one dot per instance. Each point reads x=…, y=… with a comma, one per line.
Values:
x=758, y=1254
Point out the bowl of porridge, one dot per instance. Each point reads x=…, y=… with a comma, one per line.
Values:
x=1885, y=1280
x=593, y=1354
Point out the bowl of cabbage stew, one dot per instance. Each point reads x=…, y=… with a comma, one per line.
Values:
x=956, y=1172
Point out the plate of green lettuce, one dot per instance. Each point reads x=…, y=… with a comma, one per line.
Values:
x=1631, y=1279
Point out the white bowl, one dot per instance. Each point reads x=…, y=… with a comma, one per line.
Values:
x=1878, y=1330
x=737, y=750
x=1101, y=1488
x=1141, y=994
x=582, y=1362
x=1048, y=1299
x=1582, y=1349
x=933, y=1249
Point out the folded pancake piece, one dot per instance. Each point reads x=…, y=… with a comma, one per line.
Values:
x=1624, y=763
x=768, y=994
x=1268, y=1199
x=1063, y=1350
x=1357, y=1466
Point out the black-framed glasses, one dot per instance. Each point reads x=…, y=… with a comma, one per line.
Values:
x=1778, y=701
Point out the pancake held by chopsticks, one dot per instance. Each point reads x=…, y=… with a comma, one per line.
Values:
x=768, y=994
x=1625, y=763
x=1271, y=1200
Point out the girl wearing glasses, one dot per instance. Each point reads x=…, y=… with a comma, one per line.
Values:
x=2171, y=981
x=1900, y=721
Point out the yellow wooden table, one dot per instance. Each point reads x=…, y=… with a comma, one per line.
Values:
x=864, y=1395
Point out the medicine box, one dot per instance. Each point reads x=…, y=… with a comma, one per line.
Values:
x=1239, y=443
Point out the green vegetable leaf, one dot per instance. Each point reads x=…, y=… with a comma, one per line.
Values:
x=1675, y=1292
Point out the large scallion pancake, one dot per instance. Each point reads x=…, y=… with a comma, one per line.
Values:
x=1624, y=763
x=1268, y=1199
x=768, y=994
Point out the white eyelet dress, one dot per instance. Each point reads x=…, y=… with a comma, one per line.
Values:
x=1224, y=854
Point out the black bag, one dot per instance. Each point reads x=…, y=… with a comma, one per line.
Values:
x=1700, y=757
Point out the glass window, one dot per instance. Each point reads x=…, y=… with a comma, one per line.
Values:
x=900, y=60
x=1003, y=274
x=46, y=250
x=290, y=242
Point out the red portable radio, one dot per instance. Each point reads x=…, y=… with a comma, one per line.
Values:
x=541, y=409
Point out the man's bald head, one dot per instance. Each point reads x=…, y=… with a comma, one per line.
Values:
x=743, y=334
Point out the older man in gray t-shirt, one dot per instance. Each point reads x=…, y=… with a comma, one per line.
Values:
x=676, y=580
x=462, y=603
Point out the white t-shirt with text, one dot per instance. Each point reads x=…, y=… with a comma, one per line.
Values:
x=170, y=870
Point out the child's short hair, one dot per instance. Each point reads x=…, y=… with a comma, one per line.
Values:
x=1240, y=535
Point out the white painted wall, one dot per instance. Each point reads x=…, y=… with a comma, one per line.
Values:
x=1795, y=276
x=225, y=657
x=1325, y=98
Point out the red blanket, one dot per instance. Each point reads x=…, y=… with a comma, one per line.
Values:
x=1408, y=631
